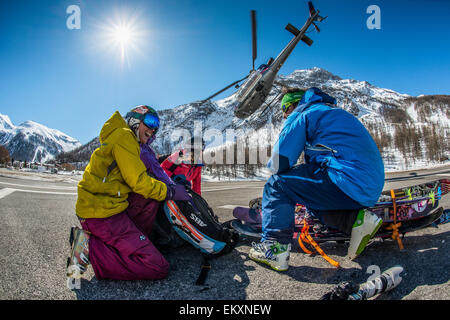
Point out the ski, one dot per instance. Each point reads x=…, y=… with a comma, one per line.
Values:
x=321, y=233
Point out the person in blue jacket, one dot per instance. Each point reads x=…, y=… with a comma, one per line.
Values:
x=343, y=173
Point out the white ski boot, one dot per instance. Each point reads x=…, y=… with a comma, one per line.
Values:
x=364, y=228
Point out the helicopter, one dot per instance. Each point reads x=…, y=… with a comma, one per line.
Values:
x=258, y=83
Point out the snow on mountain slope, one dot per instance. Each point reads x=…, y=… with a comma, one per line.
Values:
x=410, y=131
x=33, y=142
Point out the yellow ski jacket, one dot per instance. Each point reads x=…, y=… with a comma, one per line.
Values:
x=115, y=170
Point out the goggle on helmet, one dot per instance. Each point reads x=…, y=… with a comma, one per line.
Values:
x=147, y=115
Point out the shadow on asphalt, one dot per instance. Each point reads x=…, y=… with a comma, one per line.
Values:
x=414, y=175
x=320, y=275
x=425, y=261
x=222, y=282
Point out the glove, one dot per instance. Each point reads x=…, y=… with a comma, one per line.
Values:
x=177, y=192
x=181, y=179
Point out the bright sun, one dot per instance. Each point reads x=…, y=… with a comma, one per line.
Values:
x=123, y=36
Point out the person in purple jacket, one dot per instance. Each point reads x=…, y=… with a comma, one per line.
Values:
x=148, y=157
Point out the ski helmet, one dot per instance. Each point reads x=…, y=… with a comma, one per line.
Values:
x=290, y=98
x=144, y=114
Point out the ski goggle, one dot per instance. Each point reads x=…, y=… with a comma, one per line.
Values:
x=149, y=119
x=291, y=98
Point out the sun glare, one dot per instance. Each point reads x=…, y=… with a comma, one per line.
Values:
x=122, y=36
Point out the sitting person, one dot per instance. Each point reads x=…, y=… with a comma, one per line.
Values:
x=115, y=229
x=190, y=170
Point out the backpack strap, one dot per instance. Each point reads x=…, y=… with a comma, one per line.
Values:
x=173, y=167
x=395, y=225
x=204, y=270
x=162, y=158
x=305, y=236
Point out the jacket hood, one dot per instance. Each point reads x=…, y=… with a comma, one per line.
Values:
x=313, y=96
x=115, y=122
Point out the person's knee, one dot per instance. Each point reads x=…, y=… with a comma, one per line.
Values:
x=272, y=184
x=159, y=268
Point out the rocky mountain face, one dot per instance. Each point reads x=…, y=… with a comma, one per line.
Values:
x=33, y=142
x=410, y=132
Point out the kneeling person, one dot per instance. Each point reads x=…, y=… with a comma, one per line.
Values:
x=343, y=173
x=114, y=238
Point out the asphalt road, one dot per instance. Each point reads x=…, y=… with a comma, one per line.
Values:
x=35, y=218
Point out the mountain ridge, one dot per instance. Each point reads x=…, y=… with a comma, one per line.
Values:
x=391, y=117
x=33, y=142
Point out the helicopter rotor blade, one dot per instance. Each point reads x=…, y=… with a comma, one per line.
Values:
x=226, y=88
x=254, y=46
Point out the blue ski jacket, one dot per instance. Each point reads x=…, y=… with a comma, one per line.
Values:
x=333, y=140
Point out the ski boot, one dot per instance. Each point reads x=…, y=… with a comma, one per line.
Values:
x=272, y=253
x=79, y=257
x=364, y=228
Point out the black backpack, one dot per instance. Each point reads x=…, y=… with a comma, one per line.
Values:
x=194, y=222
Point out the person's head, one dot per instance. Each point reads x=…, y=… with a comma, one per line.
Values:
x=144, y=122
x=291, y=99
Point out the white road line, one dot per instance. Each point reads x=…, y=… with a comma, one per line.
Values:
x=232, y=188
x=45, y=192
x=39, y=187
x=444, y=175
x=4, y=192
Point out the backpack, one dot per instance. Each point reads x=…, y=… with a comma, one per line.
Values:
x=194, y=222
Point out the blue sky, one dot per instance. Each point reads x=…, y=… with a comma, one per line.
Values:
x=73, y=81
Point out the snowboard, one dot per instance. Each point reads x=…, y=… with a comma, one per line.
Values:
x=321, y=233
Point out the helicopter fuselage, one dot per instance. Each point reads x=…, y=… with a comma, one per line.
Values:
x=256, y=88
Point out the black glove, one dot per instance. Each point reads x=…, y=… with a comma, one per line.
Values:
x=181, y=179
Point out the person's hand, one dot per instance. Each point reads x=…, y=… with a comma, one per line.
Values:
x=181, y=179
x=177, y=192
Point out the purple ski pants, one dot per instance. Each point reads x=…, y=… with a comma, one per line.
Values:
x=119, y=246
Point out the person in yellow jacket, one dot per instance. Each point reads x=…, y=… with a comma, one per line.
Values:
x=114, y=237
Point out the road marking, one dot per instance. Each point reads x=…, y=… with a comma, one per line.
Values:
x=443, y=174
x=232, y=188
x=39, y=187
x=6, y=191
x=45, y=192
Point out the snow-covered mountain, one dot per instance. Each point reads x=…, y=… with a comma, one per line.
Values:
x=33, y=142
x=410, y=131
